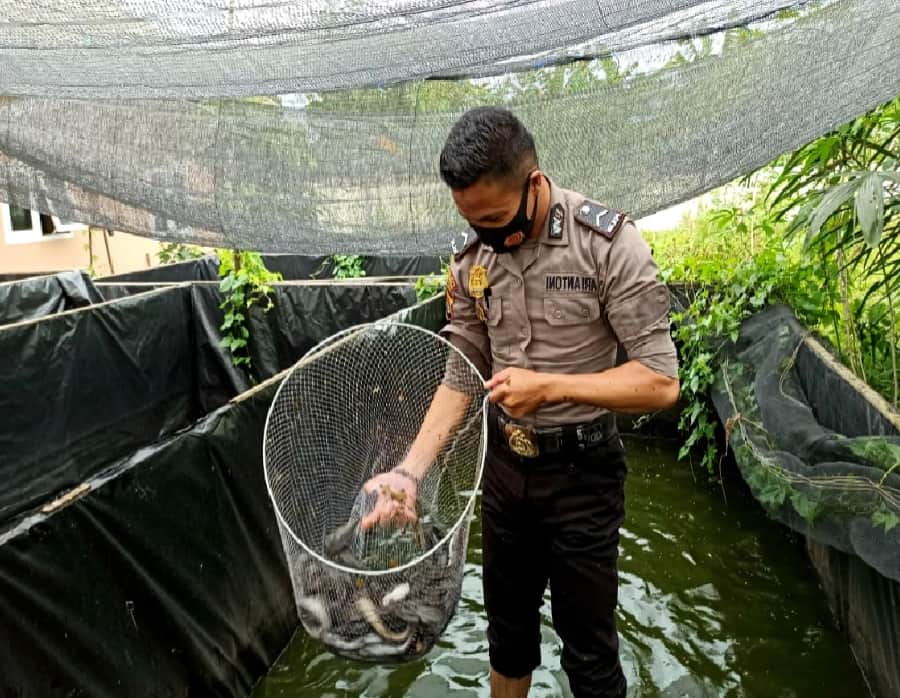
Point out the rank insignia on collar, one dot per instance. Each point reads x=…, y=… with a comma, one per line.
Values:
x=557, y=218
x=462, y=242
x=478, y=280
x=605, y=221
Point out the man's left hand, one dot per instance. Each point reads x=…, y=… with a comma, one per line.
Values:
x=519, y=390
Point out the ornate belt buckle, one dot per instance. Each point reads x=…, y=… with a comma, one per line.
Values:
x=522, y=441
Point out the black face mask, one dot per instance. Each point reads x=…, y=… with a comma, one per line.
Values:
x=495, y=238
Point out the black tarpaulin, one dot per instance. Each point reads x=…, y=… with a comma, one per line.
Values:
x=167, y=576
x=305, y=315
x=201, y=269
x=45, y=295
x=295, y=266
x=840, y=489
x=866, y=606
x=167, y=579
x=292, y=267
x=818, y=449
x=89, y=387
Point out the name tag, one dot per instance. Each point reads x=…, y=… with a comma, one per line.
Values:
x=570, y=283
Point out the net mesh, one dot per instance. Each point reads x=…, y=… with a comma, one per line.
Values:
x=349, y=410
x=178, y=48
x=640, y=104
x=817, y=455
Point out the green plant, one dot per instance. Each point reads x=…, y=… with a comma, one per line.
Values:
x=177, y=252
x=840, y=192
x=841, y=278
x=430, y=285
x=347, y=266
x=244, y=283
x=885, y=518
x=724, y=296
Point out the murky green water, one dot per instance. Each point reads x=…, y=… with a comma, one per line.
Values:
x=714, y=600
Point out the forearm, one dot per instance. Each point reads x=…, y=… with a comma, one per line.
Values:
x=445, y=413
x=630, y=387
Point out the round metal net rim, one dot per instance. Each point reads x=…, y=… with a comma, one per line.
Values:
x=320, y=348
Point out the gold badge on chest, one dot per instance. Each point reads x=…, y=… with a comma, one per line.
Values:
x=478, y=281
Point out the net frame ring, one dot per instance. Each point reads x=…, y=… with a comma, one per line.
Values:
x=323, y=347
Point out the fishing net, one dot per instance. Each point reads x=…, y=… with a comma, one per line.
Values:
x=349, y=410
x=316, y=127
x=818, y=448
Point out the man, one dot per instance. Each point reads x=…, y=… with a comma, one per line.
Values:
x=538, y=299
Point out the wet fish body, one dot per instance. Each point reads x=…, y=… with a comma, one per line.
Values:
x=390, y=618
x=340, y=539
x=366, y=607
x=398, y=593
x=313, y=615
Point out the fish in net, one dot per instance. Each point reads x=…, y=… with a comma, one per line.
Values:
x=353, y=408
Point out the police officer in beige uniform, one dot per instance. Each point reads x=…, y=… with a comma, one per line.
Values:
x=539, y=294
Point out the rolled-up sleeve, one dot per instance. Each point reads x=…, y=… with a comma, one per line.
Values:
x=637, y=303
x=464, y=330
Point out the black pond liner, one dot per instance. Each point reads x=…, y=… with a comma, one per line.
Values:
x=83, y=388
x=30, y=297
x=806, y=421
x=163, y=574
x=39, y=296
x=293, y=267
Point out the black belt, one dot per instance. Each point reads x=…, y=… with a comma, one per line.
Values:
x=531, y=442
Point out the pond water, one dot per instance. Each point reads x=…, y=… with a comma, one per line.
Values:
x=715, y=600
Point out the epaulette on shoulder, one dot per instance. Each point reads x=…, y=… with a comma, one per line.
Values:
x=599, y=218
x=462, y=242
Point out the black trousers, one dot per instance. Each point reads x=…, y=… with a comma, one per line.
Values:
x=555, y=519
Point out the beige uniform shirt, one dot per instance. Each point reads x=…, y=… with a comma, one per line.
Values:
x=561, y=303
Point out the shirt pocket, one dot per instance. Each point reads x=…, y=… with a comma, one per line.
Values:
x=571, y=311
x=493, y=313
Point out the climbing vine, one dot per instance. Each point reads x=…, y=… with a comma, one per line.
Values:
x=430, y=285
x=347, y=266
x=170, y=252
x=244, y=283
x=728, y=283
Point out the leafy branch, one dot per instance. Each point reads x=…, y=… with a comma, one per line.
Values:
x=244, y=283
x=170, y=252
x=347, y=266
x=430, y=285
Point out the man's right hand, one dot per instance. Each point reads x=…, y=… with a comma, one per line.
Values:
x=396, y=503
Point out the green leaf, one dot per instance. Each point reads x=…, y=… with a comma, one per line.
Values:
x=773, y=493
x=870, y=208
x=830, y=202
x=806, y=507
x=886, y=519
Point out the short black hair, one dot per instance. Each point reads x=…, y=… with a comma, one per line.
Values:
x=486, y=141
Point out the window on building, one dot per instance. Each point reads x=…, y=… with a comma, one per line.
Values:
x=22, y=225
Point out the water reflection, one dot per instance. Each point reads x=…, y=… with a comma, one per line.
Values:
x=714, y=600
